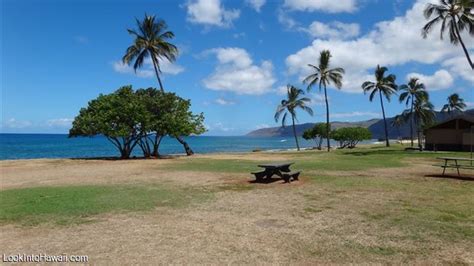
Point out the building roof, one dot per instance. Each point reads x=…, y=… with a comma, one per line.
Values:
x=467, y=121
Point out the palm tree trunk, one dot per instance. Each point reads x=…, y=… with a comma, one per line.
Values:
x=294, y=133
x=411, y=122
x=384, y=121
x=462, y=44
x=328, y=127
x=157, y=73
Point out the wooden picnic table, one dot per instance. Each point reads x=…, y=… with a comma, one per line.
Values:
x=280, y=169
x=456, y=164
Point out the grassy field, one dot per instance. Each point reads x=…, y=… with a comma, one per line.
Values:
x=367, y=205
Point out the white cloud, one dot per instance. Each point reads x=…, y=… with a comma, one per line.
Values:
x=60, y=122
x=222, y=101
x=147, y=70
x=12, y=123
x=390, y=43
x=210, y=13
x=256, y=4
x=441, y=79
x=262, y=126
x=281, y=90
x=219, y=127
x=355, y=114
x=333, y=30
x=285, y=20
x=329, y=6
x=459, y=66
x=237, y=73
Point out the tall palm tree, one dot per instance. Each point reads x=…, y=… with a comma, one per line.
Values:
x=454, y=16
x=397, y=122
x=423, y=111
x=455, y=104
x=383, y=85
x=289, y=105
x=323, y=76
x=410, y=92
x=151, y=40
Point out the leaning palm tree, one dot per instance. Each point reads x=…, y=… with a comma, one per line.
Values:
x=323, y=76
x=424, y=114
x=455, y=104
x=289, y=106
x=454, y=16
x=383, y=85
x=410, y=92
x=151, y=40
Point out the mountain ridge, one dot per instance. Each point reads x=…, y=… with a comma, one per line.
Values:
x=376, y=127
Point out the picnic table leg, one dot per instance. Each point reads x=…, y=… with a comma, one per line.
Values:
x=445, y=165
x=457, y=167
x=269, y=173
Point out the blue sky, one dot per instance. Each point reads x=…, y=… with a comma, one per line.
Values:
x=236, y=56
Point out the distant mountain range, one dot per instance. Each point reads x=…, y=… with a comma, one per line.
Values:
x=375, y=126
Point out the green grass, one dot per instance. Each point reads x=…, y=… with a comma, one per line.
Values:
x=340, y=160
x=77, y=204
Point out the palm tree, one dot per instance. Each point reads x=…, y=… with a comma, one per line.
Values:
x=455, y=104
x=323, y=76
x=383, y=85
x=151, y=40
x=289, y=106
x=423, y=113
x=397, y=122
x=410, y=92
x=454, y=15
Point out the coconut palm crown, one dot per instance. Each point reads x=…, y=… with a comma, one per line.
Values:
x=151, y=40
x=289, y=106
x=322, y=76
x=455, y=104
x=383, y=85
x=413, y=90
x=455, y=16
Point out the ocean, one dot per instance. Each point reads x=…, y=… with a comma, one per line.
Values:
x=33, y=146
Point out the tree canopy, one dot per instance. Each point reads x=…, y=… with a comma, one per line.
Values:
x=350, y=136
x=128, y=118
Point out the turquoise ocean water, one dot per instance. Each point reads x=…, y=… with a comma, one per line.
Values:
x=31, y=146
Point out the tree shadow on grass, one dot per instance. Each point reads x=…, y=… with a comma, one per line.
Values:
x=456, y=177
x=265, y=181
x=161, y=157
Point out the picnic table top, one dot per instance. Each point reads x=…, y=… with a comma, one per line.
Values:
x=275, y=165
x=455, y=158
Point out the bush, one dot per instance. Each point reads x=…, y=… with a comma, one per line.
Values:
x=350, y=136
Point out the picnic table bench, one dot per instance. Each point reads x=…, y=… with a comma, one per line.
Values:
x=455, y=163
x=280, y=169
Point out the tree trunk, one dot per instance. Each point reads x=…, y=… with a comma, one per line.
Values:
x=462, y=44
x=156, y=146
x=328, y=127
x=387, y=143
x=294, y=133
x=188, y=150
x=157, y=73
x=411, y=121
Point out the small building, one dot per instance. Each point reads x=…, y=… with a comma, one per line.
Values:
x=454, y=134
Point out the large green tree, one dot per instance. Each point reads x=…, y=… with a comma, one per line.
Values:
x=151, y=41
x=323, y=75
x=318, y=132
x=383, y=85
x=289, y=106
x=455, y=16
x=120, y=117
x=413, y=90
x=455, y=104
x=142, y=118
x=350, y=136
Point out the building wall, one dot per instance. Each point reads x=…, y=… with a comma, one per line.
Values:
x=448, y=140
